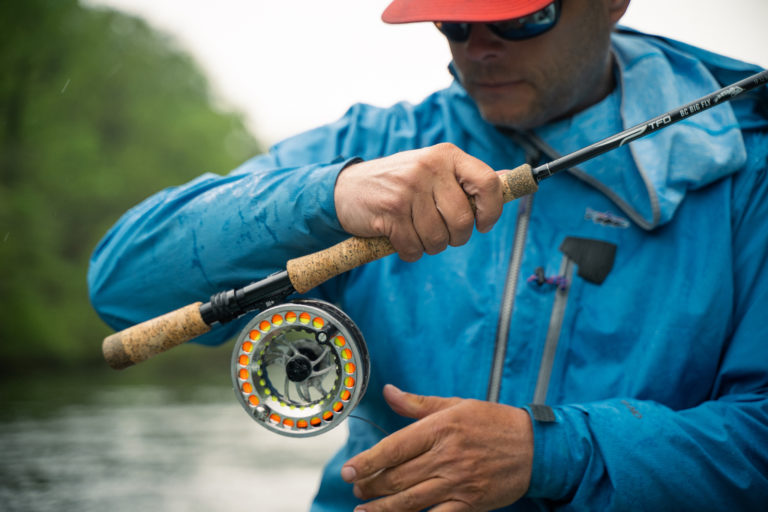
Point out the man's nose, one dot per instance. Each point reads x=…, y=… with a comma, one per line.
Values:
x=483, y=44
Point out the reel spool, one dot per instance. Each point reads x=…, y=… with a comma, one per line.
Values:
x=299, y=368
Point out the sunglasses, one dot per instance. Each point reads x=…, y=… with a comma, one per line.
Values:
x=510, y=30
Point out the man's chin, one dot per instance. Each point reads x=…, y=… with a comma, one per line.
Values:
x=519, y=121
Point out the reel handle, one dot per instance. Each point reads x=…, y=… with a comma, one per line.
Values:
x=311, y=270
x=142, y=341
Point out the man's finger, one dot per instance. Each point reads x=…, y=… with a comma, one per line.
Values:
x=393, y=450
x=419, y=497
x=451, y=506
x=482, y=183
x=430, y=226
x=455, y=209
x=399, y=478
x=406, y=242
x=414, y=406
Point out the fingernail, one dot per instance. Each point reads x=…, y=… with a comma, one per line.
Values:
x=358, y=509
x=348, y=473
x=394, y=389
x=357, y=492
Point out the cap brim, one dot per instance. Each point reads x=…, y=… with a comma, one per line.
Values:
x=409, y=11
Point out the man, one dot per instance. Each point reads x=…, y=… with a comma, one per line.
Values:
x=636, y=381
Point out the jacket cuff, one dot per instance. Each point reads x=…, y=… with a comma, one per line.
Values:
x=321, y=184
x=560, y=452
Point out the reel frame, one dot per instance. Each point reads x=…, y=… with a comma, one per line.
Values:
x=300, y=367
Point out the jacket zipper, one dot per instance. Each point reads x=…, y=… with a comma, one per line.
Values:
x=508, y=299
x=553, y=333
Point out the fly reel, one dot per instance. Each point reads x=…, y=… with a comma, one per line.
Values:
x=299, y=368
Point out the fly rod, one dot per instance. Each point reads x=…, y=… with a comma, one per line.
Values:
x=302, y=274
x=648, y=127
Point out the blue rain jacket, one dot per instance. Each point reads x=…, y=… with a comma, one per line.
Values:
x=659, y=382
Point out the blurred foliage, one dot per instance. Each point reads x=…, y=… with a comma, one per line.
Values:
x=98, y=112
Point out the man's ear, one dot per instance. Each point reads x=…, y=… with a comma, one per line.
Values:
x=616, y=9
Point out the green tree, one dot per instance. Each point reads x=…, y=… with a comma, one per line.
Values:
x=97, y=111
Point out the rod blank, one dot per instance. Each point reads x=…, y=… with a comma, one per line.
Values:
x=727, y=93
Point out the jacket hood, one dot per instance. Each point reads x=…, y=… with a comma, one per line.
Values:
x=691, y=154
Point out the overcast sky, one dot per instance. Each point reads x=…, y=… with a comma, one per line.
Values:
x=295, y=64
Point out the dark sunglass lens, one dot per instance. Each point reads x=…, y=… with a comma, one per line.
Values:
x=528, y=26
x=456, y=32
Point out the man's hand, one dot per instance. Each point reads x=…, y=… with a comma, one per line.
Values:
x=463, y=455
x=418, y=199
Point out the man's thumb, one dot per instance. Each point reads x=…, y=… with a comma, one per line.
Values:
x=414, y=406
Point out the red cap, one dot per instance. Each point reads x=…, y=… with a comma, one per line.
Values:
x=407, y=11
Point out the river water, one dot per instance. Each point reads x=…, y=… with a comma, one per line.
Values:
x=95, y=443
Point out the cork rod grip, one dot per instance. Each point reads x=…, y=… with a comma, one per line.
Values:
x=314, y=269
x=142, y=341
x=517, y=182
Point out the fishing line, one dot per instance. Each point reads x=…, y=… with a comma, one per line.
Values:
x=370, y=422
